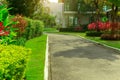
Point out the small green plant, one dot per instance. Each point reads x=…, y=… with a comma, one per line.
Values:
x=34, y=28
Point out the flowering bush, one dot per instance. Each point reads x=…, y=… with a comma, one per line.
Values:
x=99, y=26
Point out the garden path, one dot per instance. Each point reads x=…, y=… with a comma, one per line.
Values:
x=74, y=58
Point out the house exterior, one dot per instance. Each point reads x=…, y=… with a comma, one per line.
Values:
x=71, y=12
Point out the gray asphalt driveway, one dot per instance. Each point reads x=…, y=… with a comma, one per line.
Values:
x=73, y=58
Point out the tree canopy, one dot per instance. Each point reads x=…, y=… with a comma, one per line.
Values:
x=24, y=7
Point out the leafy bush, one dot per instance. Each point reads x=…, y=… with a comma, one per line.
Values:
x=93, y=33
x=21, y=24
x=34, y=28
x=13, y=61
x=7, y=32
x=75, y=29
x=110, y=36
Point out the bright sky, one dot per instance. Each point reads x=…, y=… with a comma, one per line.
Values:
x=53, y=1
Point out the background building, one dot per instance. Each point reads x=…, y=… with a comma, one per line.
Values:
x=72, y=16
x=56, y=9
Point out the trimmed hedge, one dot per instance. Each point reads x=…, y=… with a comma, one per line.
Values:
x=81, y=28
x=93, y=33
x=107, y=36
x=13, y=61
x=77, y=29
x=33, y=29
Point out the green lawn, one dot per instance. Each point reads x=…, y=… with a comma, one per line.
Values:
x=49, y=30
x=115, y=44
x=35, y=69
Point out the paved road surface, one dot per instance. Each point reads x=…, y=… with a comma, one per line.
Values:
x=73, y=58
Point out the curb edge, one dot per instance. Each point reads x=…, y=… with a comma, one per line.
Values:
x=46, y=61
x=101, y=44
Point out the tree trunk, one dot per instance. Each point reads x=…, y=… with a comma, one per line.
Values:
x=114, y=18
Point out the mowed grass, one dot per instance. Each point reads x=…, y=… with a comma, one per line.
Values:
x=112, y=43
x=35, y=69
x=50, y=30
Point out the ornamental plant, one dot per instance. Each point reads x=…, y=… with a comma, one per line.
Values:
x=13, y=62
x=3, y=32
x=7, y=32
x=21, y=24
x=101, y=26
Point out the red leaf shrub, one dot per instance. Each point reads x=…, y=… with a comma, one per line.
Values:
x=3, y=32
x=21, y=25
x=99, y=26
x=92, y=26
x=110, y=36
x=78, y=28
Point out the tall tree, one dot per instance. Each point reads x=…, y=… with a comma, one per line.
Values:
x=24, y=7
x=114, y=15
x=115, y=4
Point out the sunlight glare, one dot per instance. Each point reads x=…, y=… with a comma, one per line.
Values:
x=53, y=1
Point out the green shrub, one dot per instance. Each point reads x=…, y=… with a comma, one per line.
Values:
x=34, y=28
x=21, y=24
x=75, y=29
x=13, y=61
x=93, y=33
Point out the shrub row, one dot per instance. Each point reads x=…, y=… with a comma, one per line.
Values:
x=13, y=61
x=78, y=29
x=34, y=28
x=27, y=29
x=110, y=36
x=93, y=33
x=81, y=28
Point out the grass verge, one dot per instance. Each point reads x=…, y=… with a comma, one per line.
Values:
x=35, y=69
x=50, y=30
x=112, y=43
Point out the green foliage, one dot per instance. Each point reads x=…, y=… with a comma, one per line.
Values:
x=93, y=33
x=34, y=28
x=25, y=7
x=7, y=22
x=115, y=2
x=20, y=41
x=13, y=61
x=50, y=30
x=49, y=20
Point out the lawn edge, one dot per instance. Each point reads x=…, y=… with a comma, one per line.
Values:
x=101, y=43
x=46, y=61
